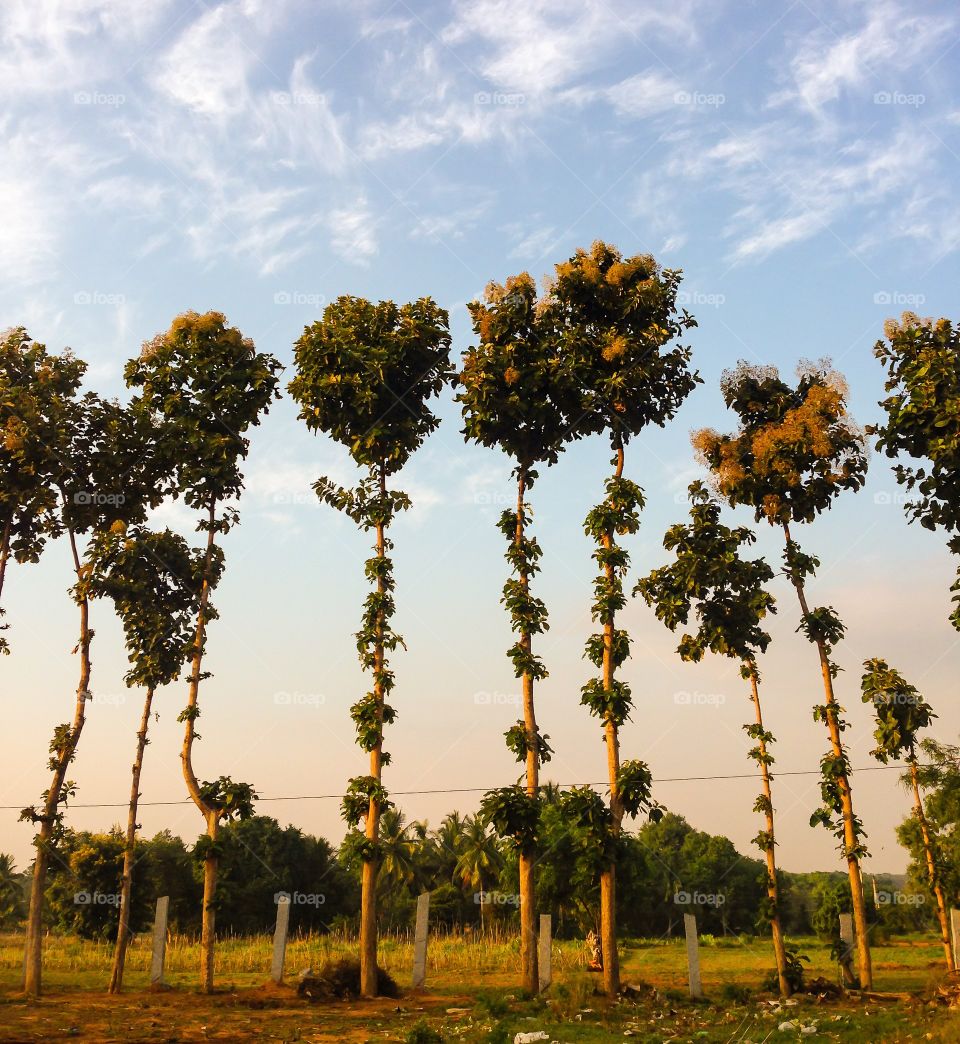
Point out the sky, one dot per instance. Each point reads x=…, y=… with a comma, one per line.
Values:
x=798, y=161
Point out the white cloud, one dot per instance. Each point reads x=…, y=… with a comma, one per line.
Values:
x=827, y=64
x=543, y=45
x=353, y=232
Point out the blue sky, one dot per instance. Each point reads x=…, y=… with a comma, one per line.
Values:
x=798, y=161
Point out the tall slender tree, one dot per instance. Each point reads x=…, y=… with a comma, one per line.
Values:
x=922, y=358
x=796, y=450
x=901, y=713
x=37, y=395
x=154, y=580
x=365, y=376
x=516, y=396
x=726, y=592
x=105, y=478
x=617, y=317
x=206, y=385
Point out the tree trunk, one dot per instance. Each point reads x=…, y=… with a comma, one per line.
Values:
x=61, y=757
x=850, y=839
x=371, y=867
x=126, y=885
x=4, y=552
x=773, y=888
x=528, y=896
x=932, y=872
x=208, y=925
x=608, y=877
x=210, y=814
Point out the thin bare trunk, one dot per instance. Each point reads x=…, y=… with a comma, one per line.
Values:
x=932, y=872
x=61, y=758
x=528, y=894
x=773, y=888
x=608, y=877
x=371, y=867
x=126, y=884
x=850, y=839
x=210, y=814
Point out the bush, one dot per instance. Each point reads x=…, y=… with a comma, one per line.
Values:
x=340, y=980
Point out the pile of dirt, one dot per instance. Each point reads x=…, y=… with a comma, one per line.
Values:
x=340, y=980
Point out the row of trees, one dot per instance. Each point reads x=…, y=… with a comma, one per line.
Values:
x=668, y=868
x=595, y=353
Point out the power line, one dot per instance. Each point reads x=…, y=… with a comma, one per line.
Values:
x=472, y=790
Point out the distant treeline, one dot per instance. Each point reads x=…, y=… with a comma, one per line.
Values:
x=668, y=868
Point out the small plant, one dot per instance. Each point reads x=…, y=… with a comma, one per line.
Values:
x=737, y=994
x=422, y=1033
x=793, y=970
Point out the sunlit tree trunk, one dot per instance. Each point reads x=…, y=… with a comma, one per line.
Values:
x=773, y=888
x=608, y=876
x=371, y=867
x=932, y=872
x=528, y=894
x=126, y=885
x=62, y=752
x=850, y=839
x=210, y=815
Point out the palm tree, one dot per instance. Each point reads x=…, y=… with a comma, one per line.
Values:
x=398, y=868
x=11, y=890
x=447, y=841
x=478, y=857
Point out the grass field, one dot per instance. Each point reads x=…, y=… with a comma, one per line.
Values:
x=471, y=996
